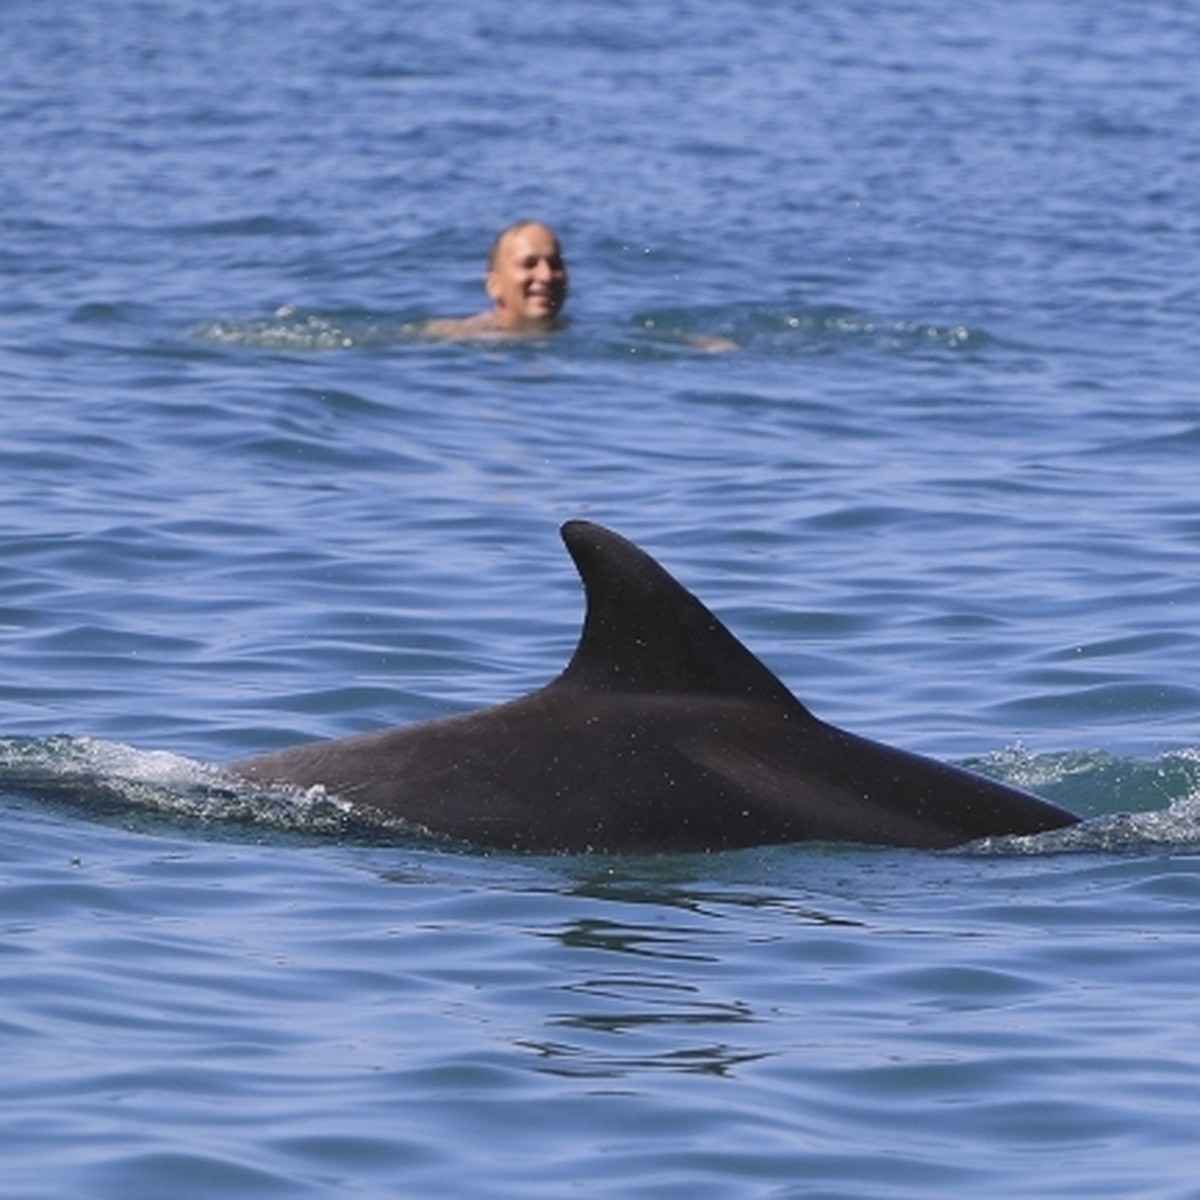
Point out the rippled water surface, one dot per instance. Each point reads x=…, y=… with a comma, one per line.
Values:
x=945, y=486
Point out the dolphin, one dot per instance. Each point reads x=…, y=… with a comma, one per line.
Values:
x=663, y=733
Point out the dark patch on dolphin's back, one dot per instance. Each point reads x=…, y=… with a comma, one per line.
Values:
x=644, y=632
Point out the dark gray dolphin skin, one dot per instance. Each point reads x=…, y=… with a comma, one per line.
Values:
x=664, y=733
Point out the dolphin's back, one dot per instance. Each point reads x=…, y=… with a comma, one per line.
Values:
x=663, y=732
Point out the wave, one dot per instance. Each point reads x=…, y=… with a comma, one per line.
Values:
x=1128, y=804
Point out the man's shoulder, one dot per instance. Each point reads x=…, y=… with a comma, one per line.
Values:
x=482, y=324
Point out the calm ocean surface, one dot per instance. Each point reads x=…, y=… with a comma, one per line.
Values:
x=946, y=487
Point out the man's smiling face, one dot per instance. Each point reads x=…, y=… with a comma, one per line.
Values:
x=527, y=279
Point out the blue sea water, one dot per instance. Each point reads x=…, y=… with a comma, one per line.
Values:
x=945, y=487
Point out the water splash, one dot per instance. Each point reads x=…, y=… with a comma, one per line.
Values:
x=291, y=328
x=110, y=781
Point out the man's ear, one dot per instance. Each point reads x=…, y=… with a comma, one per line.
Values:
x=491, y=285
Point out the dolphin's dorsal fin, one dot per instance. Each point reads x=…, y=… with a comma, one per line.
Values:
x=644, y=632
